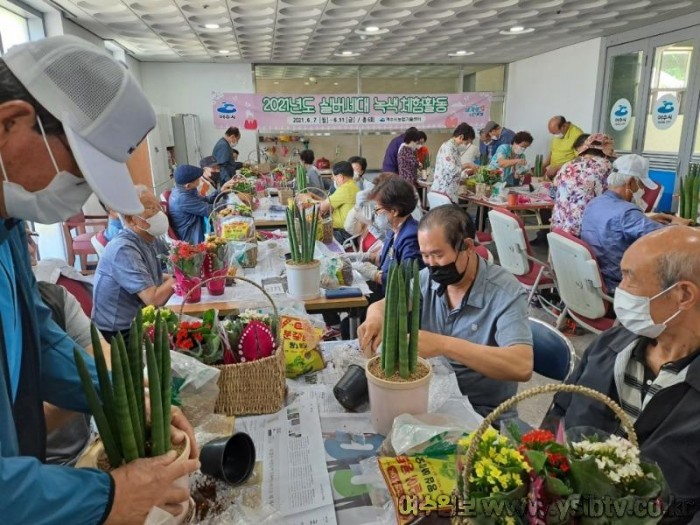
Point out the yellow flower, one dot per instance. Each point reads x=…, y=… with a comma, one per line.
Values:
x=479, y=469
x=509, y=520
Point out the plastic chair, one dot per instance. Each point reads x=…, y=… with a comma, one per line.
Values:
x=81, y=291
x=165, y=204
x=580, y=284
x=554, y=355
x=515, y=254
x=436, y=199
x=484, y=253
x=78, y=238
x=652, y=197
x=99, y=242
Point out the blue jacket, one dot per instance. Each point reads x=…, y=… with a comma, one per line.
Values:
x=391, y=157
x=31, y=492
x=402, y=248
x=188, y=210
x=224, y=156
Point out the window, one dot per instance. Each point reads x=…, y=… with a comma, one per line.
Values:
x=13, y=30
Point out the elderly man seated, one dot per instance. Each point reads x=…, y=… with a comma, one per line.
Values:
x=650, y=364
x=129, y=273
x=473, y=313
x=614, y=220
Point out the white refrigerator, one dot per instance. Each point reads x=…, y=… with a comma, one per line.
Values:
x=187, y=139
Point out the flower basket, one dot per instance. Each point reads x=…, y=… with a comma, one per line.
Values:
x=186, y=261
x=591, y=484
x=256, y=387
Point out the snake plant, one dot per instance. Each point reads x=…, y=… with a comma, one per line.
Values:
x=301, y=181
x=120, y=407
x=539, y=167
x=302, y=234
x=688, y=195
x=401, y=320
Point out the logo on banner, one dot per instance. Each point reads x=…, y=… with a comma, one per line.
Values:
x=620, y=114
x=227, y=108
x=665, y=111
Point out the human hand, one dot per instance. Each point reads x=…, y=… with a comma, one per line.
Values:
x=367, y=270
x=680, y=221
x=551, y=171
x=370, y=336
x=181, y=427
x=522, y=162
x=428, y=344
x=147, y=483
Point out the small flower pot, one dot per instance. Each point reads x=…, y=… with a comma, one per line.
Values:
x=352, y=391
x=304, y=280
x=512, y=199
x=230, y=459
x=218, y=285
x=92, y=458
x=388, y=399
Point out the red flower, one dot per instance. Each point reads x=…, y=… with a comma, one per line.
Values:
x=558, y=461
x=538, y=437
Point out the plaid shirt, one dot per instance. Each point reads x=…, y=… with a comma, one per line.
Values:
x=636, y=382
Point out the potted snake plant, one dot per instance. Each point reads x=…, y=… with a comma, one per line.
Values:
x=398, y=379
x=303, y=271
x=119, y=408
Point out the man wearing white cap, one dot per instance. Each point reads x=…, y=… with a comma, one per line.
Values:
x=70, y=116
x=613, y=221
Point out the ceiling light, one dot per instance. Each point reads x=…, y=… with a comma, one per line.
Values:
x=335, y=83
x=306, y=83
x=224, y=51
x=275, y=82
x=460, y=53
x=212, y=26
x=372, y=29
x=346, y=54
x=517, y=30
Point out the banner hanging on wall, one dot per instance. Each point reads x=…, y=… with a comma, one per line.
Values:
x=257, y=112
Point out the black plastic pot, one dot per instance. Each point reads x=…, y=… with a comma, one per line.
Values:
x=230, y=459
x=351, y=391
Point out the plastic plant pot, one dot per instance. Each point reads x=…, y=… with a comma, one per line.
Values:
x=230, y=459
x=352, y=391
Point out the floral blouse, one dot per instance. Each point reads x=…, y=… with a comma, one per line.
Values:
x=577, y=183
x=408, y=164
x=448, y=170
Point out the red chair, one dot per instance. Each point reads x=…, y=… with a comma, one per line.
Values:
x=652, y=197
x=484, y=253
x=165, y=204
x=580, y=285
x=515, y=254
x=99, y=242
x=78, y=238
x=81, y=291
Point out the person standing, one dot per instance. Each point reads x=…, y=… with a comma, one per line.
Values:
x=188, y=209
x=497, y=136
x=562, y=149
x=51, y=161
x=391, y=161
x=448, y=164
x=223, y=151
x=407, y=160
x=312, y=176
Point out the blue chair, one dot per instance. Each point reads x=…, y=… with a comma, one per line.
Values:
x=554, y=354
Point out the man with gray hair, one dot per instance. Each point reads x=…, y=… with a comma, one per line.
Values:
x=650, y=365
x=614, y=220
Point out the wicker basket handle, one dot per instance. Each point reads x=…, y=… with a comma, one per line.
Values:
x=238, y=278
x=532, y=392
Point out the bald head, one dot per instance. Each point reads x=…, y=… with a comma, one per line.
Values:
x=664, y=257
x=557, y=124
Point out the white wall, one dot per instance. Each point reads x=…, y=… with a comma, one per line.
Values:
x=187, y=88
x=561, y=82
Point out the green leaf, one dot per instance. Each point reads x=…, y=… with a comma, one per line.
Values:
x=587, y=478
x=536, y=459
x=556, y=487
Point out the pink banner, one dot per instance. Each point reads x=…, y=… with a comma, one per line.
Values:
x=256, y=112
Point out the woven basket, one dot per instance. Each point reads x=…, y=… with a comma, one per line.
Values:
x=257, y=387
x=511, y=402
x=285, y=194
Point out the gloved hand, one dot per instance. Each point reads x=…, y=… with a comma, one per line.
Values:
x=367, y=270
x=359, y=256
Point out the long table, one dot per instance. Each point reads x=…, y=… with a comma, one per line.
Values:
x=536, y=207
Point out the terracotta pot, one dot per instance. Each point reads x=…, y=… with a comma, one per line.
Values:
x=512, y=199
x=388, y=399
x=304, y=280
x=89, y=459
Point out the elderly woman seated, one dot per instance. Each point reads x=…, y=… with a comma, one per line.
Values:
x=129, y=274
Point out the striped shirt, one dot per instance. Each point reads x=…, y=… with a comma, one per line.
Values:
x=636, y=382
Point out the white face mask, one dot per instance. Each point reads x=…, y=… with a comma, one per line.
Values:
x=518, y=150
x=637, y=198
x=633, y=312
x=60, y=200
x=357, y=174
x=559, y=135
x=158, y=224
x=381, y=221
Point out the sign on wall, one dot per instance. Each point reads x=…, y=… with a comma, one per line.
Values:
x=620, y=114
x=665, y=111
x=257, y=112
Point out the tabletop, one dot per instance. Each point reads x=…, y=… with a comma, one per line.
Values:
x=265, y=217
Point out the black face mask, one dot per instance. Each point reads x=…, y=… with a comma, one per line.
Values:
x=446, y=275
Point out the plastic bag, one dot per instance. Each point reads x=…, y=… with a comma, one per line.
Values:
x=335, y=272
x=243, y=254
x=300, y=343
x=195, y=386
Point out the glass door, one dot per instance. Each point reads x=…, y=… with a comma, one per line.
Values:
x=622, y=109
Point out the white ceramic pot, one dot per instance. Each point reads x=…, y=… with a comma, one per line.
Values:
x=304, y=280
x=89, y=459
x=388, y=399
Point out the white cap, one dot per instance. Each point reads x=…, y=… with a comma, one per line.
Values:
x=104, y=113
x=634, y=166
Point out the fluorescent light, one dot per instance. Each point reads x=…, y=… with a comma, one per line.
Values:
x=212, y=26
x=275, y=82
x=335, y=83
x=224, y=51
x=371, y=29
x=517, y=29
x=460, y=53
x=346, y=53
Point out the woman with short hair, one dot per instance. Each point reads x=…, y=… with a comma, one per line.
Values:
x=313, y=178
x=407, y=160
x=510, y=158
x=448, y=164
